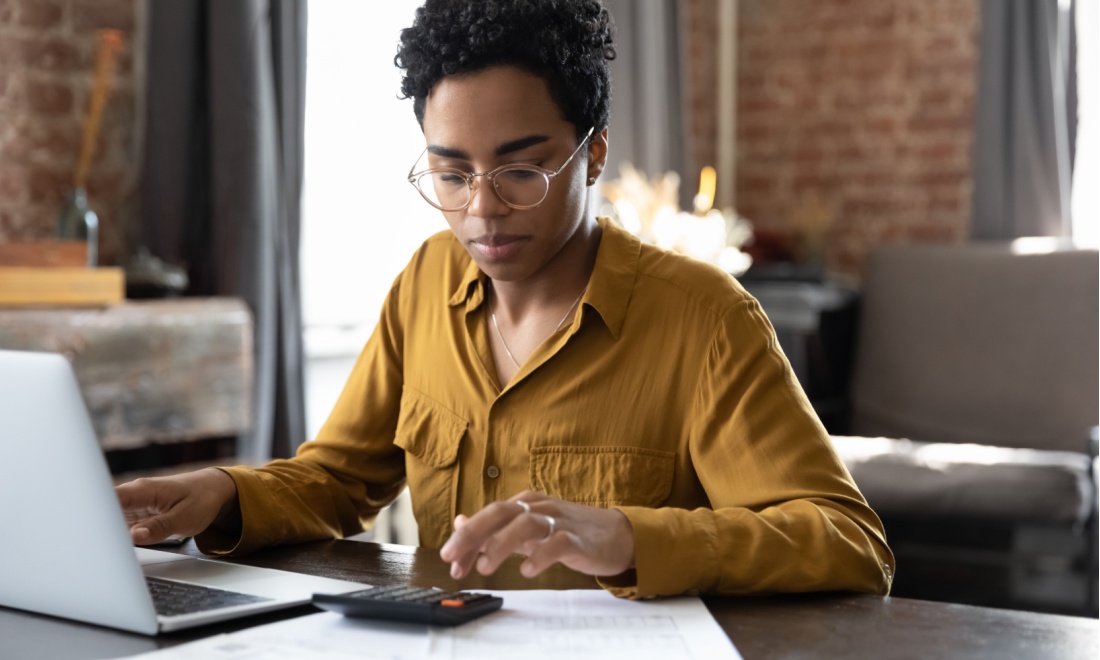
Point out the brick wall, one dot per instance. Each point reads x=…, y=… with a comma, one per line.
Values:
x=47, y=63
x=854, y=116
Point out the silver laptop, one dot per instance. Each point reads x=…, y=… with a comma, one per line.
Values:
x=65, y=548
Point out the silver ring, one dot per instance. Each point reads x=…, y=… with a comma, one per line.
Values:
x=550, y=532
x=524, y=505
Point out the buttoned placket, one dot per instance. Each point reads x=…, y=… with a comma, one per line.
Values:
x=497, y=446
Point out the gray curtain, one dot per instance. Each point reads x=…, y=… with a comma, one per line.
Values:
x=222, y=179
x=647, y=115
x=1025, y=120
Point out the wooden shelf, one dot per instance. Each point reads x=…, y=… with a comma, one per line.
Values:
x=44, y=287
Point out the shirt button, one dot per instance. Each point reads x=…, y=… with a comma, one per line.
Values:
x=492, y=472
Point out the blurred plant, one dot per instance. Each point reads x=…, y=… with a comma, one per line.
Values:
x=651, y=210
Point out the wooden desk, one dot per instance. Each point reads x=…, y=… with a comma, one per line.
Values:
x=817, y=626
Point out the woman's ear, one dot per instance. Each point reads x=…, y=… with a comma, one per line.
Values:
x=597, y=155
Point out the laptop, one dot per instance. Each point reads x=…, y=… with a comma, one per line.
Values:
x=65, y=548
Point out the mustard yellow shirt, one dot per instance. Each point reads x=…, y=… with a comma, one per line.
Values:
x=667, y=397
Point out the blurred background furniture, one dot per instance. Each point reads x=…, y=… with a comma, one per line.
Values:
x=168, y=383
x=975, y=399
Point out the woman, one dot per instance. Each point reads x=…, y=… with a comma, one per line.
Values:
x=546, y=384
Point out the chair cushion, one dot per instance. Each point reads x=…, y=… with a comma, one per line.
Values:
x=899, y=476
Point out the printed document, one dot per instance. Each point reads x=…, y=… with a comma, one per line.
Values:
x=532, y=625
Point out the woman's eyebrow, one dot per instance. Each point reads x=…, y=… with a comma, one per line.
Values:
x=506, y=148
x=522, y=143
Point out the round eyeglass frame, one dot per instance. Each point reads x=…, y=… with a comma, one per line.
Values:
x=491, y=175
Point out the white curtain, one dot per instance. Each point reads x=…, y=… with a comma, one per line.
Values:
x=1025, y=120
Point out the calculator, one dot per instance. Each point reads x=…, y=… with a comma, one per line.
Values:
x=411, y=604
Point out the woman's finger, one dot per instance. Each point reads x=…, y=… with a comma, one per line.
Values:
x=468, y=540
x=518, y=537
x=559, y=547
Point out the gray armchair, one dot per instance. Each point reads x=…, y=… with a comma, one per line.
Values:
x=975, y=392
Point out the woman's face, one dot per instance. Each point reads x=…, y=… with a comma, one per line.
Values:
x=477, y=122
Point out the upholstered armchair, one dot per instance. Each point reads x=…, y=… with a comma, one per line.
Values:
x=975, y=400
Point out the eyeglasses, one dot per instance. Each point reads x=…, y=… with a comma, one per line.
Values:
x=518, y=185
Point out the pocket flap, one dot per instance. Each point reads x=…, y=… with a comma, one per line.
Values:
x=427, y=430
x=604, y=476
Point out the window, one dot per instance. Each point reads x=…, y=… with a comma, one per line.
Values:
x=1086, y=172
x=361, y=221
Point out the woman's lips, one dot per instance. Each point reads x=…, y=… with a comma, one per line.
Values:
x=498, y=247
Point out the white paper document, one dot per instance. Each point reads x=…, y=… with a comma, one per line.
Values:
x=532, y=625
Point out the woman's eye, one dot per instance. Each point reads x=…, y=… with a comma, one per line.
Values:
x=521, y=174
x=450, y=178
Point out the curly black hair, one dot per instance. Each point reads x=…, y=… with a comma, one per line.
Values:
x=567, y=43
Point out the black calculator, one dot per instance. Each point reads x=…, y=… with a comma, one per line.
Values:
x=412, y=604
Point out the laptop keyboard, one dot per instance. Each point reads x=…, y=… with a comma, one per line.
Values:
x=173, y=598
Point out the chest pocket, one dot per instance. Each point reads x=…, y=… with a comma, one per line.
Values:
x=431, y=436
x=604, y=476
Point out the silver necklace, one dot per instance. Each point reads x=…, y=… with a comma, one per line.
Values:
x=503, y=343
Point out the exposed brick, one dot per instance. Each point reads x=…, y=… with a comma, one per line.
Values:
x=951, y=204
x=7, y=215
x=101, y=14
x=818, y=182
x=49, y=185
x=11, y=92
x=40, y=14
x=933, y=234
x=940, y=151
x=867, y=104
x=21, y=222
x=49, y=98
x=28, y=140
x=807, y=154
x=874, y=179
x=47, y=65
x=105, y=184
x=41, y=53
x=941, y=177
x=876, y=206
x=756, y=184
x=13, y=184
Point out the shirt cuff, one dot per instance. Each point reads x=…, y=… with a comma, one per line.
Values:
x=213, y=541
x=672, y=555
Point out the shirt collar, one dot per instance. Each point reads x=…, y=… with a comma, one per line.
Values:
x=609, y=288
x=613, y=277
x=466, y=292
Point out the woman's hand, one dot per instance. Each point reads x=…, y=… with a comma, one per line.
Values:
x=546, y=530
x=181, y=505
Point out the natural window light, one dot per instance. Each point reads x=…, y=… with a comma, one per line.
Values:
x=1086, y=194
x=361, y=220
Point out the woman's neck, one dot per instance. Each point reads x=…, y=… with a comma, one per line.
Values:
x=554, y=286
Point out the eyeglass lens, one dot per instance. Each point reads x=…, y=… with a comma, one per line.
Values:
x=451, y=190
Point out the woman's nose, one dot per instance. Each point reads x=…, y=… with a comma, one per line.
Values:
x=484, y=200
